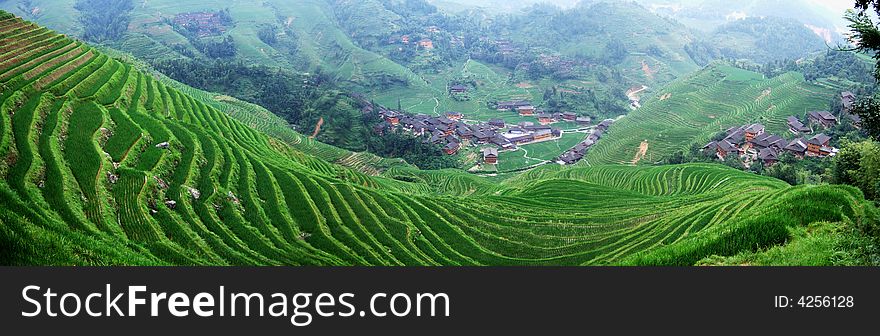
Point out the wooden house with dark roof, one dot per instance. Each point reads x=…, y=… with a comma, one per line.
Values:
x=798, y=147
x=511, y=105
x=534, y=128
x=452, y=148
x=503, y=142
x=484, y=136
x=454, y=116
x=546, y=119
x=855, y=120
x=725, y=148
x=498, y=123
x=583, y=121
x=795, y=126
x=490, y=155
x=465, y=133
x=767, y=140
x=526, y=111
x=752, y=131
x=605, y=124
x=458, y=88
x=736, y=136
x=446, y=121
x=769, y=156
x=822, y=118
x=543, y=134
x=816, y=145
x=524, y=139
x=848, y=99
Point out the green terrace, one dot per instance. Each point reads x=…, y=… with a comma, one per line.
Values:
x=104, y=164
x=695, y=108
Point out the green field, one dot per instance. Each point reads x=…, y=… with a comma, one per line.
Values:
x=705, y=103
x=225, y=192
x=533, y=154
x=492, y=85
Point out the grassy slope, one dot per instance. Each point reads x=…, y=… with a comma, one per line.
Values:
x=245, y=198
x=705, y=103
x=323, y=44
x=627, y=22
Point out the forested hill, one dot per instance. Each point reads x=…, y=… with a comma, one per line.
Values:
x=598, y=48
x=104, y=164
x=764, y=40
x=604, y=32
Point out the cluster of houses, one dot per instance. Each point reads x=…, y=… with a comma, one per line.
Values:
x=578, y=152
x=202, y=23
x=751, y=142
x=424, y=40
x=525, y=109
x=425, y=43
x=451, y=132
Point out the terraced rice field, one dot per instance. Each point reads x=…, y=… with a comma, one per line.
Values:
x=88, y=180
x=703, y=104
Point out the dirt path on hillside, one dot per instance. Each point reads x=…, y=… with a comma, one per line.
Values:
x=647, y=69
x=643, y=150
x=633, y=93
x=665, y=97
x=318, y=128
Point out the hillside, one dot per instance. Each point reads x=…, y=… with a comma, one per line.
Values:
x=589, y=27
x=764, y=40
x=308, y=37
x=693, y=109
x=107, y=165
x=707, y=15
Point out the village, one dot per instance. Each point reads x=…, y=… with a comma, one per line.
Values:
x=204, y=24
x=493, y=136
x=752, y=143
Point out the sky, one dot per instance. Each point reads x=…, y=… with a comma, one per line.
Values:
x=836, y=5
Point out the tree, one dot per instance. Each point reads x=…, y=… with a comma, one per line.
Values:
x=865, y=34
x=869, y=110
x=615, y=51
x=858, y=164
x=268, y=33
x=104, y=20
x=783, y=171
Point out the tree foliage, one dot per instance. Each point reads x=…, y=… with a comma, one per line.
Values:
x=299, y=99
x=858, y=164
x=104, y=20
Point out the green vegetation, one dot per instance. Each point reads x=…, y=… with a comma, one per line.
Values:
x=760, y=40
x=193, y=178
x=693, y=109
x=104, y=19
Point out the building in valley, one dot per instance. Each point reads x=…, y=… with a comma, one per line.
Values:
x=490, y=155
